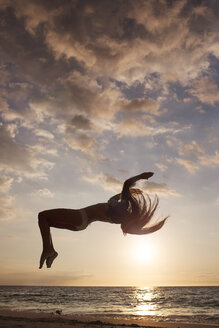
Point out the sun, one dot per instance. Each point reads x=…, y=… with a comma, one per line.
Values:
x=143, y=251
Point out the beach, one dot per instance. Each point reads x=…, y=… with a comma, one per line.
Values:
x=26, y=319
x=43, y=306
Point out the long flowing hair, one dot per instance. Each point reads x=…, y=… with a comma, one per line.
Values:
x=141, y=212
x=134, y=210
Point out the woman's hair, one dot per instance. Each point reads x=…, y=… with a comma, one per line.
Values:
x=135, y=210
x=142, y=210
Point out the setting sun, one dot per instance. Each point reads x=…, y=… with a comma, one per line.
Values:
x=143, y=250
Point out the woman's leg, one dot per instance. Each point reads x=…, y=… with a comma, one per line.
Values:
x=48, y=253
x=57, y=218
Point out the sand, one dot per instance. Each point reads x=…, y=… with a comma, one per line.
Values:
x=26, y=319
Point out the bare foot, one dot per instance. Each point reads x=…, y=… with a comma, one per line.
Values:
x=50, y=259
x=147, y=175
x=45, y=256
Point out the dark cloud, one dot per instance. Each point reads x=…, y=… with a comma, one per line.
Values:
x=146, y=105
x=125, y=34
x=69, y=61
x=81, y=122
x=46, y=45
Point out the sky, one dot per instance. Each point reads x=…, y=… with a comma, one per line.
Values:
x=91, y=93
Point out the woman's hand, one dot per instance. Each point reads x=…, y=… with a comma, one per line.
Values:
x=146, y=175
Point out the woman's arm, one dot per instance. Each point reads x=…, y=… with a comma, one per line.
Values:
x=116, y=197
x=131, y=181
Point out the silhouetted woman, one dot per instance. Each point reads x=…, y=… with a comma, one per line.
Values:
x=130, y=209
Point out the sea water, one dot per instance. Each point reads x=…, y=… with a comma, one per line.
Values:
x=188, y=304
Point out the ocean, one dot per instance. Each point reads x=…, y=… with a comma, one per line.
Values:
x=187, y=304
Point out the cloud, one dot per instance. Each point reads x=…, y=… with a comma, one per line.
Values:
x=81, y=122
x=39, y=149
x=132, y=128
x=86, y=50
x=3, y=104
x=97, y=64
x=44, y=134
x=206, y=90
x=44, y=193
x=19, y=159
x=202, y=159
x=82, y=142
x=172, y=37
x=111, y=182
x=74, y=94
x=12, y=129
x=146, y=105
x=145, y=125
x=13, y=155
x=81, y=135
x=192, y=154
x=160, y=189
x=192, y=149
x=106, y=181
x=5, y=183
x=191, y=166
x=84, y=124
x=34, y=13
x=209, y=160
x=161, y=166
x=118, y=40
x=7, y=210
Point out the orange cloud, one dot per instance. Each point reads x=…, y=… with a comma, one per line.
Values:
x=206, y=90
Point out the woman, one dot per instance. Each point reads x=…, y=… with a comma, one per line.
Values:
x=130, y=209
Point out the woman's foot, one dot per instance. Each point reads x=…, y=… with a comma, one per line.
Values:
x=49, y=257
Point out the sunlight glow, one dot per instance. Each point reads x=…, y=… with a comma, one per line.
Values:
x=145, y=305
x=143, y=251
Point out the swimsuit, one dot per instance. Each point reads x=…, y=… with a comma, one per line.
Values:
x=84, y=223
x=118, y=210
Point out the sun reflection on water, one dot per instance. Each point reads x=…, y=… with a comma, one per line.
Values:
x=145, y=305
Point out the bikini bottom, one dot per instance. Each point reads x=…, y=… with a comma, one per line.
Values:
x=84, y=218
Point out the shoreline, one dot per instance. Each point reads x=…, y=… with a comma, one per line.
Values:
x=26, y=319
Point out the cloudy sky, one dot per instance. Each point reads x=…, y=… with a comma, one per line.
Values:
x=91, y=93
